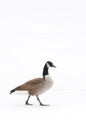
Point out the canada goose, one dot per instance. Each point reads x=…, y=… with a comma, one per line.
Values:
x=37, y=86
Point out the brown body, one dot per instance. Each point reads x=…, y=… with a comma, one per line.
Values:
x=36, y=86
x=32, y=86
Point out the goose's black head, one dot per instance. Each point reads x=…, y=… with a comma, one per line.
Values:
x=46, y=67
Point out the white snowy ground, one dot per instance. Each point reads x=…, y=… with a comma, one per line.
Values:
x=32, y=32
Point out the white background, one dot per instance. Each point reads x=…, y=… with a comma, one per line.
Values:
x=32, y=32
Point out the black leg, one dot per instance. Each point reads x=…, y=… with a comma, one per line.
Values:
x=40, y=101
x=28, y=100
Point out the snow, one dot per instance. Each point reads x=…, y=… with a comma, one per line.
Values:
x=67, y=110
x=31, y=33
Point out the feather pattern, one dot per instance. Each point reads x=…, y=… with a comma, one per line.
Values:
x=36, y=86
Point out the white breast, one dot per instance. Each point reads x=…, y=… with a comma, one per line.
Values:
x=48, y=81
x=47, y=85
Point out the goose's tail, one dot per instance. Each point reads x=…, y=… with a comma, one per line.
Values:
x=12, y=91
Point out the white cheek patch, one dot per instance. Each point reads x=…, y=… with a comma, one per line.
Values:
x=48, y=65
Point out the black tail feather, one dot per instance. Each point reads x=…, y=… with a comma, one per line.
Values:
x=13, y=90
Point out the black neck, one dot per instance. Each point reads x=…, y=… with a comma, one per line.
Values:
x=45, y=71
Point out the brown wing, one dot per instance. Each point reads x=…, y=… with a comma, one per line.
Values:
x=32, y=84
